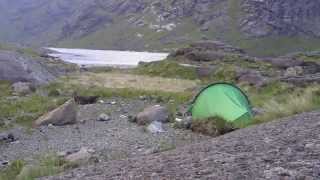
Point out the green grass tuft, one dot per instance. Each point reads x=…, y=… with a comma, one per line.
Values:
x=12, y=171
x=25, y=110
x=295, y=102
x=45, y=166
x=214, y=126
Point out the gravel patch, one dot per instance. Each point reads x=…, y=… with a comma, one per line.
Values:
x=113, y=139
x=286, y=149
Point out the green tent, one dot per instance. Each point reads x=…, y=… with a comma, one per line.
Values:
x=222, y=100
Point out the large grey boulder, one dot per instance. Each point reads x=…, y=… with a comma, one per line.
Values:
x=16, y=67
x=23, y=88
x=153, y=113
x=284, y=62
x=293, y=71
x=252, y=77
x=63, y=115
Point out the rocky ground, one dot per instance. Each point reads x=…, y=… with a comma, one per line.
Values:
x=116, y=138
x=119, y=148
x=286, y=149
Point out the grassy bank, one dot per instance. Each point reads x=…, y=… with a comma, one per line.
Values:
x=45, y=166
x=23, y=110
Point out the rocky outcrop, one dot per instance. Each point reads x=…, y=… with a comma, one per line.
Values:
x=267, y=151
x=207, y=51
x=280, y=17
x=15, y=67
x=252, y=77
x=23, y=88
x=302, y=80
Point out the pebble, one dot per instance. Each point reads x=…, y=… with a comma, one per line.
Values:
x=51, y=126
x=104, y=117
x=155, y=127
x=101, y=101
x=123, y=116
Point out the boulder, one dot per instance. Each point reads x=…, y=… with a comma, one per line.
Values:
x=23, y=88
x=16, y=67
x=252, y=77
x=310, y=67
x=284, y=62
x=207, y=51
x=302, y=80
x=294, y=71
x=153, y=113
x=65, y=114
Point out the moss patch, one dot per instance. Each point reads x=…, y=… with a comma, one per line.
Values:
x=24, y=110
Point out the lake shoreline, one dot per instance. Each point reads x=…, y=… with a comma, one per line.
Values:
x=104, y=58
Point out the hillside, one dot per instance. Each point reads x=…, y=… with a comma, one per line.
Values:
x=92, y=120
x=267, y=27
x=269, y=151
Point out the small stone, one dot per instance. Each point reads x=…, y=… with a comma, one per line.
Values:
x=132, y=119
x=155, y=127
x=142, y=98
x=62, y=154
x=309, y=145
x=82, y=121
x=178, y=120
x=258, y=111
x=4, y=163
x=51, y=126
x=82, y=156
x=123, y=116
x=104, y=117
x=7, y=138
x=113, y=103
x=184, y=123
x=101, y=101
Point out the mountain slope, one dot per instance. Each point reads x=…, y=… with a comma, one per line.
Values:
x=161, y=25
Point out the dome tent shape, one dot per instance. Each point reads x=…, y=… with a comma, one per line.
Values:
x=225, y=101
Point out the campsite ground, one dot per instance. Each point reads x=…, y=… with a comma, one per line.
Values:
x=124, y=93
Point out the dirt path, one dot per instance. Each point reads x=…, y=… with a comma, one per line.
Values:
x=286, y=149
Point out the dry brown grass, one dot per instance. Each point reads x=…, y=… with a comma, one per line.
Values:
x=140, y=82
